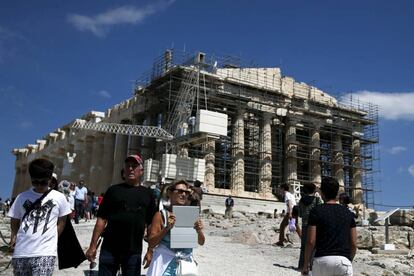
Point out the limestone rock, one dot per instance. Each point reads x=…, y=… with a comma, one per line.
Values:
x=364, y=238
x=403, y=217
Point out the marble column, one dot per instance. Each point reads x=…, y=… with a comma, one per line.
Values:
x=237, y=170
x=107, y=163
x=96, y=169
x=291, y=152
x=20, y=167
x=338, y=159
x=86, y=160
x=357, y=172
x=209, y=149
x=58, y=158
x=315, y=144
x=78, y=148
x=265, y=155
x=121, y=147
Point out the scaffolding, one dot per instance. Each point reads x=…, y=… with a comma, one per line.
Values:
x=326, y=130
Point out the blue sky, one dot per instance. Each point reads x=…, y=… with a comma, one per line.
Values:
x=61, y=59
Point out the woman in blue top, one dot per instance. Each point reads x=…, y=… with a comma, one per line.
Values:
x=160, y=255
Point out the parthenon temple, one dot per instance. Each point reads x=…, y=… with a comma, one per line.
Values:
x=279, y=131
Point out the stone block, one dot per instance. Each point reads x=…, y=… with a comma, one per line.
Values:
x=364, y=238
x=403, y=217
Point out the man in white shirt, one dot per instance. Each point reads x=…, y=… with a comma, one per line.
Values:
x=38, y=216
x=81, y=199
x=290, y=214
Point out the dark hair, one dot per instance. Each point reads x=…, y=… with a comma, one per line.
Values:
x=308, y=188
x=54, y=183
x=194, y=198
x=175, y=184
x=41, y=168
x=329, y=188
x=344, y=199
x=284, y=187
x=197, y=183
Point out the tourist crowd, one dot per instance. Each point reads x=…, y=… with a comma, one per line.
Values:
x=128, y=213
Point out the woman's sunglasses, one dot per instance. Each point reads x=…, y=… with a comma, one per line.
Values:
x=180, y=191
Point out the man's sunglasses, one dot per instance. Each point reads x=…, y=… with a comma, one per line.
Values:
x=43, y=181
x=180, y=191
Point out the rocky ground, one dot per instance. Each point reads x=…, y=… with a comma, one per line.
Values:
x=243, y=246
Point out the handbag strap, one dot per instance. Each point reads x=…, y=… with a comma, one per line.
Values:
x=35, y=203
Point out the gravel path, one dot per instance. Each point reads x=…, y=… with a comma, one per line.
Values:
x=222, y=256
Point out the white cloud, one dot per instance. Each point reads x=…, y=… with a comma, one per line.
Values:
x=397, y=149
x=411, y=169
x=100, y=24
x=392, y=106
x=104, y=94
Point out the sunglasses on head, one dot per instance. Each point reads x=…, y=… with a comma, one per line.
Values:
x=42, y=181
x=180, y=191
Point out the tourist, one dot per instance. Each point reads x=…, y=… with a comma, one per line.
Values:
x=198, y=189
x=89, y=206
x=229, y=202
x=332, y=232
x=290, y=204
x=70, y=252
x=124, y=212
x=160, y=257
x=81, y=200
x=38, y=217
x=345, y=201
x=307, y=202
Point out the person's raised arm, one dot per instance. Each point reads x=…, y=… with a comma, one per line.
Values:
x=97, y=232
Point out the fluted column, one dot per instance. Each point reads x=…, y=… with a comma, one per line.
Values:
x=121, y=147
x=237, y=170
x=265, y=155
x=86, y=160
x=356, y=172
x=291, y=152
x=96, y=171
x=20, y=167
x=338, y=167
x=57, y=158
x=209, y=150
x=26, y=179
x=78, y=148
x=315, y=144
x=107, y=163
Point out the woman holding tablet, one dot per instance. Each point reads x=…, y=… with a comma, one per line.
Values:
x=160, y=257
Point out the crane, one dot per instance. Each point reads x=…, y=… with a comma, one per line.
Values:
x=174, y=166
